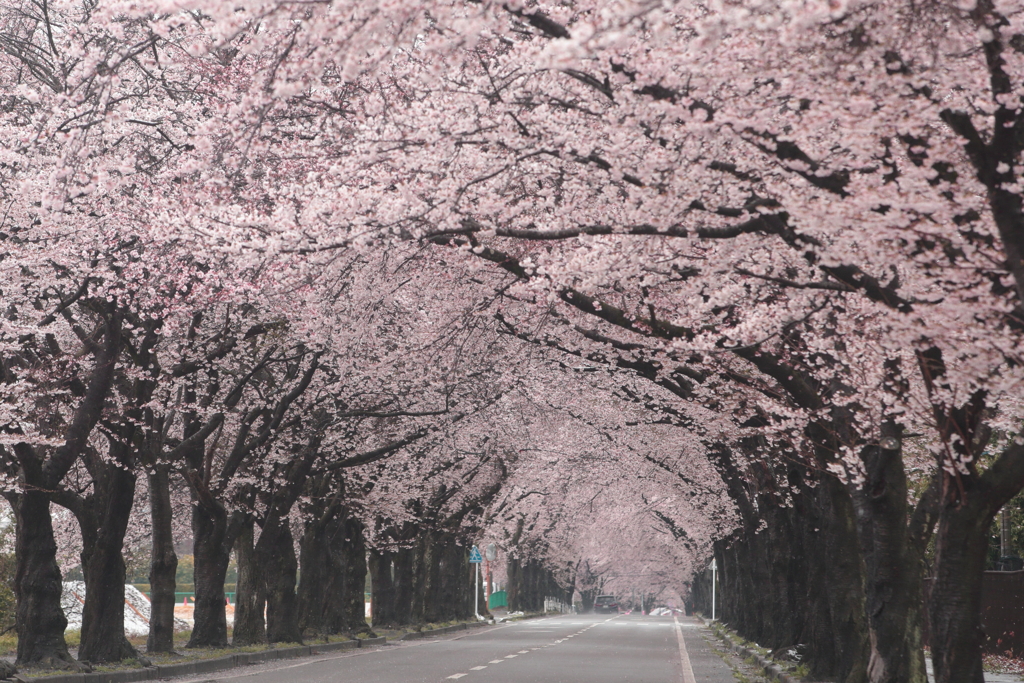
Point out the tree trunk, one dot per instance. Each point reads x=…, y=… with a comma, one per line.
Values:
x=954, y=606
x=275, y=553
x=163, y=563
x=382, y=589
x=587, y=598
x=103, y=638
x=449, y=598
x=348, y=554
x=839, y=557
x=315, y=594
x=513, y=572
x=37, y=585
x=250, y=601
x=421, y=576
x=894, y=565
x=211, y=554
x=404, y=581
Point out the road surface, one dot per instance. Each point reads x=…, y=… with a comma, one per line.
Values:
x=565, y=649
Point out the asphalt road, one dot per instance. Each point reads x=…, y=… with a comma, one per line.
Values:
x=565, y=649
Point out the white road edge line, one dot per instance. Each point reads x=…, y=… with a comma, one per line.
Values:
x=684, y=658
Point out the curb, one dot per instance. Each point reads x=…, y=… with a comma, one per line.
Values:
x=772, y=670
x=414, y=635
x=202, y=666
x=529, y=615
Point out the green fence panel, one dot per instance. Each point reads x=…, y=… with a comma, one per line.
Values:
x=498, y=599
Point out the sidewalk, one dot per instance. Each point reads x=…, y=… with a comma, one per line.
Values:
x=989, y=677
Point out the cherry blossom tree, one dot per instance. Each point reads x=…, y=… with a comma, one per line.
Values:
x=803, y=276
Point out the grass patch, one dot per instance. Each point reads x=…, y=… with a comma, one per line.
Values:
x=9, y=643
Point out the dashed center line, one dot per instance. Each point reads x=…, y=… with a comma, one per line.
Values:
x=523, y=652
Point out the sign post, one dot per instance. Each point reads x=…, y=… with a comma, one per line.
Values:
x=714, y=580
x=475, y=559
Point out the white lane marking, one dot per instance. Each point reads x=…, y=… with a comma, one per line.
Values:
x=684, y=658
x=456, y=676
x=496, y=661
x=476, y=668
x=510, y=656
x=523, y=652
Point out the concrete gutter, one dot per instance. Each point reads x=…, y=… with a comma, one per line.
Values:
x=771, y=670
x=201, y=666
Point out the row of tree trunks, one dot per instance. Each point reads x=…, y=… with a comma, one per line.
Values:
x=430, y=582
x=529, y=583
x=798, y=579
x=834, y=566
x=331, y=591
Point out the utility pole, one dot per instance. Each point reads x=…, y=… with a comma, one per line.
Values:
x=476, y=559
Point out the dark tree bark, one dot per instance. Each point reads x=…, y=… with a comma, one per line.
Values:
x=587, y=598
x=348, y=560
x=40, y=619
x=840, y=545
x=163, y=564
x=37, y=583
x=315, y=594
x=954, y=607
x=214, y=531
x=103, y=638
x=275, y=550
x=894, y=542
x=213, y=536
x=513, y=573
x=382, y=588
x=275, y=554
x=404, y=578
x=250, y=626
x=969, y=504
x=420, y=569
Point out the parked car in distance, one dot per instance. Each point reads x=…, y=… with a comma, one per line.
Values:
x=606, y=604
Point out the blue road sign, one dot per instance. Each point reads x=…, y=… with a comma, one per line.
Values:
x=474, y=556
